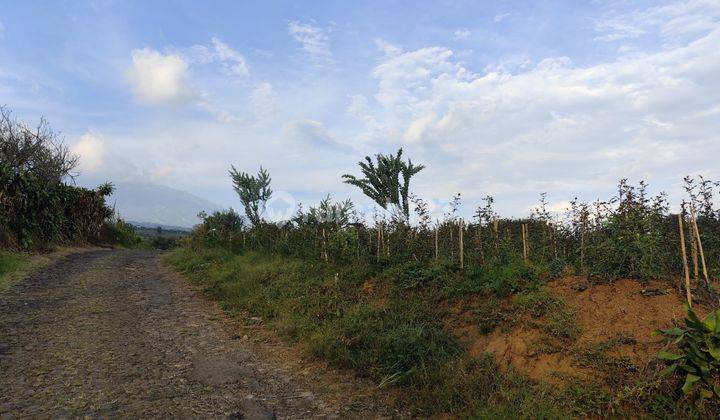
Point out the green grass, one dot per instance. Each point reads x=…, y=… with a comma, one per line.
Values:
x=385, y=323
x=12, y=266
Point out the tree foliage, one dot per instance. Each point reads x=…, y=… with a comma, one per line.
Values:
x=38, y=151
x=254, y=192
x=386, y=181
x=36, y=207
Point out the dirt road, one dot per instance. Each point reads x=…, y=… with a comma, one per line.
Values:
x=113, y=333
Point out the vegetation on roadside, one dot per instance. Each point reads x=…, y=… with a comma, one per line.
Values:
x=375, y=297
x=14, y=266
x=37, y=207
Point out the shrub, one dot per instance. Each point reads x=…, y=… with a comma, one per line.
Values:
x=699, y=353
x=34, y=213
x=220, y=229
x=118, y=231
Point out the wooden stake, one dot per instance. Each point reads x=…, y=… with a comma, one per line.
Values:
x=497, y=234
x=324, y=249
x=684, y=258
x=699, y=243
x=480, y=244
x=462, y=246
x=694, y=255
x=378, y=242
x=524, y=242
x=436, y=243
x=582, y=250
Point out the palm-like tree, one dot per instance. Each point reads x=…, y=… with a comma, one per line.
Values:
x=386, y=181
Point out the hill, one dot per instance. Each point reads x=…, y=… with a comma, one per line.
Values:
x=152, y=205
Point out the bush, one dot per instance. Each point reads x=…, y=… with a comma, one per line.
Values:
x=220, y=229
x=34, y=213
x=117, y=231
x=699, y=357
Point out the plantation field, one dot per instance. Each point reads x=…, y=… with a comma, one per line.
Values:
x=441, y=341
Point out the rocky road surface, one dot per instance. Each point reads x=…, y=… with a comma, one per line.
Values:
x=112, y=333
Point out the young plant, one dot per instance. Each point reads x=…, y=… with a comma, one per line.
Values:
x=254, y=192
x=699, y=353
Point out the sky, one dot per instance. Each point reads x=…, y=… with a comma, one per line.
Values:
x=501, y=98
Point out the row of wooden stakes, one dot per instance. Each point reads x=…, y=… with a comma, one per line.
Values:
x=696, y=247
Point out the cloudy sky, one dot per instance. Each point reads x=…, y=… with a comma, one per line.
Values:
x=507, y=98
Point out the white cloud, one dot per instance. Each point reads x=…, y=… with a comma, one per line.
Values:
x=500, y=17
x=157, y=78
x=649, y=115
x=91, y=149
x=263, y=98
x=232, y=62
x=387, y=48
x=314, y=41
x=670, y=20
x=461, y=34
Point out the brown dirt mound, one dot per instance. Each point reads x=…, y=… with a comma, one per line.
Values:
x=616, y=321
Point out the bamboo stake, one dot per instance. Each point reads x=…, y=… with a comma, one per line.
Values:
x=694, y=255
x=324, y=249
x=436, y=243
x=684, y=258
x=699, y=243
x=525, y=237
x=497, y=234
x=462, y=246
x=480, y=244
x=582, y=250
x=452, y=239
x=378, y=243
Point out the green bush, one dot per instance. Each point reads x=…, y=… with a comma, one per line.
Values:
x=698, y=357
x=34, y=213
x=119, y=232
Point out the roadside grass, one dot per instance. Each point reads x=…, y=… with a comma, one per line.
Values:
x=13, y=267
x=386, y=324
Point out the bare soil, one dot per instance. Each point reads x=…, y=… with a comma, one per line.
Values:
x=616, y=322
x=112, y=333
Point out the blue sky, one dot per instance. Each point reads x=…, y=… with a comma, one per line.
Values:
x=504, y=98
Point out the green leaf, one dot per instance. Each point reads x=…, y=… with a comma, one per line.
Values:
x=669, y=370
x=664, y=355
x=713, y=349
x=705, y=393
x=711, y=321
x=690, y=381
x=672, y=331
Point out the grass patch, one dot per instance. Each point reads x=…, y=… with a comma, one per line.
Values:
x=13, y=266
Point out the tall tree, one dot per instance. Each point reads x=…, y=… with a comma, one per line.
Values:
x=386, y=181
x=254, y=192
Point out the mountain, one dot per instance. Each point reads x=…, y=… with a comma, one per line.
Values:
x=153, y=205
